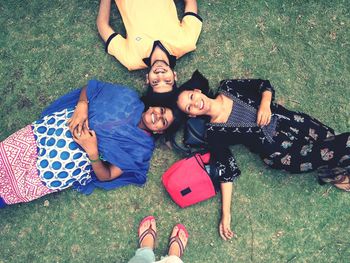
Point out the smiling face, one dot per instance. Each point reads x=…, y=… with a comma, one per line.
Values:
x=157, y=119
x=193, y=103
x=161, y=77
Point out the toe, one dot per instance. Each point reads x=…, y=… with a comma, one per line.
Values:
x=175, y=231
x=146, y=224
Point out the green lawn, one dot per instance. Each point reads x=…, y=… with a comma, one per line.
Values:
x=47, y=48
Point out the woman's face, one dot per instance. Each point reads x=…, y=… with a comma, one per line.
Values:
x=193, y=102
x=157, y=119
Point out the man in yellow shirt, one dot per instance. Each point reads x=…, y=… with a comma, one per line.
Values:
x=155, y=37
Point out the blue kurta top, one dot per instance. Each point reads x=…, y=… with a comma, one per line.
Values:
x=114, y=114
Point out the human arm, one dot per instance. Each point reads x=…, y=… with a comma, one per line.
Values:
x=264, y=112
x=88, y=141
x=225, y=222
x=191, y=6
x=226, y=172
x=191, y=25
x=102, y=20
x=80, y=116
x=115, y=44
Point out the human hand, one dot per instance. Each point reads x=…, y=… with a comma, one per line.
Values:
x=79, y=118
x=87, y=140
x=225, y=228
x=264, y=114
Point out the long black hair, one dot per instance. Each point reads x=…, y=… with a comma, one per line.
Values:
x=197, y=81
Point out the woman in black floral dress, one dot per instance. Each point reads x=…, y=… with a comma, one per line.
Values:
x=244, y=112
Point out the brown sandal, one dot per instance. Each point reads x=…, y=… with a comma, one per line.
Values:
x=176, y=239
x=147, y=231
x=337, y=176
x=343, y=183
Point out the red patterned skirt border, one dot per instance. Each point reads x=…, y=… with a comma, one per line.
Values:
x=19, y=179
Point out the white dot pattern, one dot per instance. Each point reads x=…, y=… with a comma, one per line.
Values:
x=61, y=161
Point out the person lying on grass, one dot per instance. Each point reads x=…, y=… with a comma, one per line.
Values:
x=244, y=112
x=97, y=136
x=155, y=39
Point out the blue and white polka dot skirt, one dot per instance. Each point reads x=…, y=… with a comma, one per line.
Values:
x=61, y=161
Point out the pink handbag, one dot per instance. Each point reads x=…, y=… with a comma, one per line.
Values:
x=188, y=182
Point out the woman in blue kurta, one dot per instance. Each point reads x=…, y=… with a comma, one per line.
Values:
x=97, y=136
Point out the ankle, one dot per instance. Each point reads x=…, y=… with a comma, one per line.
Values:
x=174, y=251
x=147, y=242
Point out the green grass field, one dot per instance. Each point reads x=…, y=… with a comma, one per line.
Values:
x=47, y=48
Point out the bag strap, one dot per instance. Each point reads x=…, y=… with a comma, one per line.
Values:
x=213, y=174
x=201, y=164
x=187, y=150
x=181, y=148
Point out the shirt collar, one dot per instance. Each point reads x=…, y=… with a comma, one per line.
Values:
x=172, y=59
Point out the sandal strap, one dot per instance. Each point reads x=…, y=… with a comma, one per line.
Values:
x=145, y=233
x=343, y=181
x=340, y=180
x=330, y=175
x=179, y=242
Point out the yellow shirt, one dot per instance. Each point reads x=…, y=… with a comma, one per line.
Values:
x=146, y=21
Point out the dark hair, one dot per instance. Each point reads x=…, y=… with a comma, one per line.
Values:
x=179, y=118
x=197, y=81
x=178, y=115
x=163, y=99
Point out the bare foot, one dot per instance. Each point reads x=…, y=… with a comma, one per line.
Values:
x=147, y=232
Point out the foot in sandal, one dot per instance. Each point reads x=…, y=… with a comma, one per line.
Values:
x=147, y=232
x=343, y=183
x=178, y=241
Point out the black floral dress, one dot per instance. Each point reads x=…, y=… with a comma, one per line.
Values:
x=293, y=141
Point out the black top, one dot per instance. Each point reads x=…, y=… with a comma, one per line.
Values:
x=221, y=135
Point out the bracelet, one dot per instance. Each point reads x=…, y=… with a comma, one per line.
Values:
x=99, y=158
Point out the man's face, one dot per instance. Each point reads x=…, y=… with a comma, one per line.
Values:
x=161, y=77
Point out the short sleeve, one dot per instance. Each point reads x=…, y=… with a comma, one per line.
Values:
x=192, y=25
x=118, y=47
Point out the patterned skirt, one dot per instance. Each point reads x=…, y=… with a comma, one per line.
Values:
x=19, y=179
x=304, y=144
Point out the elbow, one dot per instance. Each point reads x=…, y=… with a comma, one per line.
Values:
x=105, y=179
x=102, y=25
x=99, y=25
x=111, y=176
